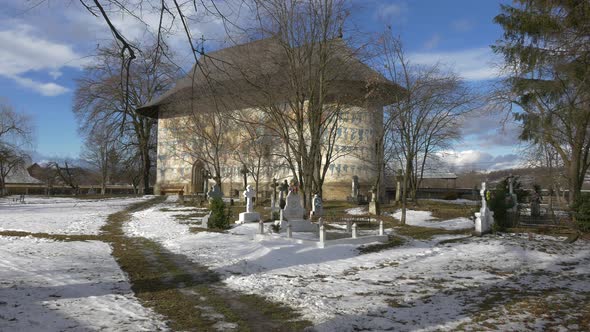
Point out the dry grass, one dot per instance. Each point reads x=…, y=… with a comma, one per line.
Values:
x=392, y=242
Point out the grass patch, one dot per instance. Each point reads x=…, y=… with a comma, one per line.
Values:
x=205, y=230
x=97, y=196
x=444, y=210
x=276, y=311
x=392, y=242
x=189, y=216
x=55, y=237
x=426, y=233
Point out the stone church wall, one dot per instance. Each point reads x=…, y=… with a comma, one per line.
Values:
x=354, y=144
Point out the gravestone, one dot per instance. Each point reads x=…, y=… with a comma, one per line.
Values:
x=250, y=215
x=374, y=204
x=283, y=189
x=294, y=212
x=484, y=218
x=513, y=198
x=273, y=198
x=215, y=192
x=535, y=205
x=317, y=208
x=293, y=209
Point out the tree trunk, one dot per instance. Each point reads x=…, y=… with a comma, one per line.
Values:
x=405, y=190
x=145, y=168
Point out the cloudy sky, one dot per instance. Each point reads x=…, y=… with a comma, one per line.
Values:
x=45, y=44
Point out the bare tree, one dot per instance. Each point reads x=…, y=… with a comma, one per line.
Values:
x=257, y=151
x=424, y=118
x=15, y=134
x=70, y=174
x=299, y=107
x=100, y=101
x=100, y=151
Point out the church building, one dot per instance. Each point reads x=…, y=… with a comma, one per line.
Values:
x=241, y=79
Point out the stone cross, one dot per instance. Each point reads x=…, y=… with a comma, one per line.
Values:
x=274, y=186
x=482, y=192
x=283, y=188
x=249, y=194
x=206, y=176
x=245, y=172
x=317, y=205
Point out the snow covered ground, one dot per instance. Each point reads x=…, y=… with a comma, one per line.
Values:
x=421, y=285
x=56, y=215
x=48, y=285
x=425, y=219
x=498, y=282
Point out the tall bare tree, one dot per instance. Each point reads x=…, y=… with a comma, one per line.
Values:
x=302, y=111
x=16, y=134
x=100, y=101
x=424, y=118
x=101, y=151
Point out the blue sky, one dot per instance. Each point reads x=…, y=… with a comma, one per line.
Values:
x=45, y=47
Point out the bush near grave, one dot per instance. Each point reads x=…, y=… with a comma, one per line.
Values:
x=220, y=214
x=581, y=209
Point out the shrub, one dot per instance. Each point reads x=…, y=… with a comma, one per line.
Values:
x=581, y=210
x=220, y=214
x=500, y=203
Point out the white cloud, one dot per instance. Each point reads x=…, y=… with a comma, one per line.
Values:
x=479, y=160
x=474, y=64
x=462, y=25
x=389, y=11
x=46, y=89
x=23, y=52
x=432, y=42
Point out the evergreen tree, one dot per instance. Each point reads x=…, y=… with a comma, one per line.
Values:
x=546, y=47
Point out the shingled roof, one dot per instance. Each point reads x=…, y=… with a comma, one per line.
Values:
x=260, y=65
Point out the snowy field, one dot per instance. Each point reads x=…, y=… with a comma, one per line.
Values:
x=422, y=285
x=501, y=282
x=59, y=215
x=48, y=285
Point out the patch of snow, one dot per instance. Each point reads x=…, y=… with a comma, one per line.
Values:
x=55, y=286
x=58, y=215
x=460, y=201
x=425, y=219
x=357, y=211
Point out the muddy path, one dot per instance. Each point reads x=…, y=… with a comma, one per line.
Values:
x=190, y=296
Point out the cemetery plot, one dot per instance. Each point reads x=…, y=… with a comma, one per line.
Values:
x=435, y=282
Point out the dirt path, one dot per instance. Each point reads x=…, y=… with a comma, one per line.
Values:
x=189, y=295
